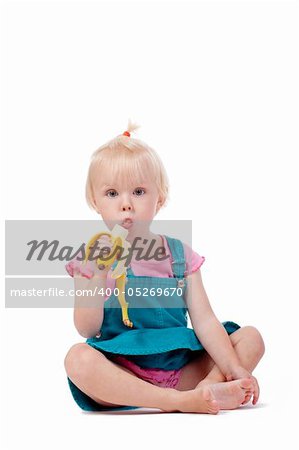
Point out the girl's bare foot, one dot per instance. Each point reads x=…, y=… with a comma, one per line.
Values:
x=230, y=394
x=199, y=400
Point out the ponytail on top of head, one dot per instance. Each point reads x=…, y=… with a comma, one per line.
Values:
x=131, y=128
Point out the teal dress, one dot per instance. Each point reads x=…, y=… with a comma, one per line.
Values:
x=160, y=337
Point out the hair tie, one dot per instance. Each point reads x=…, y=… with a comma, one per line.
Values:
x=126, y=133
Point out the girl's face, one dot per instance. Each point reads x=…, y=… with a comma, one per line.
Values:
x=132, y=206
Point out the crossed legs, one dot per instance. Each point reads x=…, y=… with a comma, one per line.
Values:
x=110, y=384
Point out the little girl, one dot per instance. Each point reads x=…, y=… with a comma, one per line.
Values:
x=158, y=362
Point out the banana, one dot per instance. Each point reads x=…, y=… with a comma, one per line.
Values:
x=118, y=236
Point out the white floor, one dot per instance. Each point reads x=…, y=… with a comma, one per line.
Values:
x=45, y=421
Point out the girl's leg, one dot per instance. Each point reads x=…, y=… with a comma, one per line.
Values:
x=109, y=384
x=249, y=347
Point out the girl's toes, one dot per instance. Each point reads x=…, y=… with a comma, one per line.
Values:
x=246, y=399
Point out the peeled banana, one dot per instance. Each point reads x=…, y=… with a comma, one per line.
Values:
x=118, y=236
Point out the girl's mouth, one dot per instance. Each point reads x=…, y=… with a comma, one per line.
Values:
x=127, y=223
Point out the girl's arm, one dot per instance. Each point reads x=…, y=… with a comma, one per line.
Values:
x=89, y=309
x=208, y=328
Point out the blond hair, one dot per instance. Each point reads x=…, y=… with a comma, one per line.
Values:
x=127, y=160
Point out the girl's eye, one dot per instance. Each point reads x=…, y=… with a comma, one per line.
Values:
x=139, y=192
x=112, y=193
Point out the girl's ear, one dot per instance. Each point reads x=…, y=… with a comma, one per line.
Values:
x=159, y=205
x=95, y=206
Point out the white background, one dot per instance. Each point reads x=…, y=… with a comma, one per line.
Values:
x=214, y=87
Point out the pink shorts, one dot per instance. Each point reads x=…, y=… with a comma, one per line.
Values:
x=158, y=377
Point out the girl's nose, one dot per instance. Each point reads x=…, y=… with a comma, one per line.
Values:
x=126, y=204
x=126, y=207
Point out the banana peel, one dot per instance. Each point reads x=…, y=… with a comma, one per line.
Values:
x=118, y=236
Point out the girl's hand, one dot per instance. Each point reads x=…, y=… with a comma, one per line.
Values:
x=240, y=372
x=90, y=269
x=89, y=278
x=104, y=243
